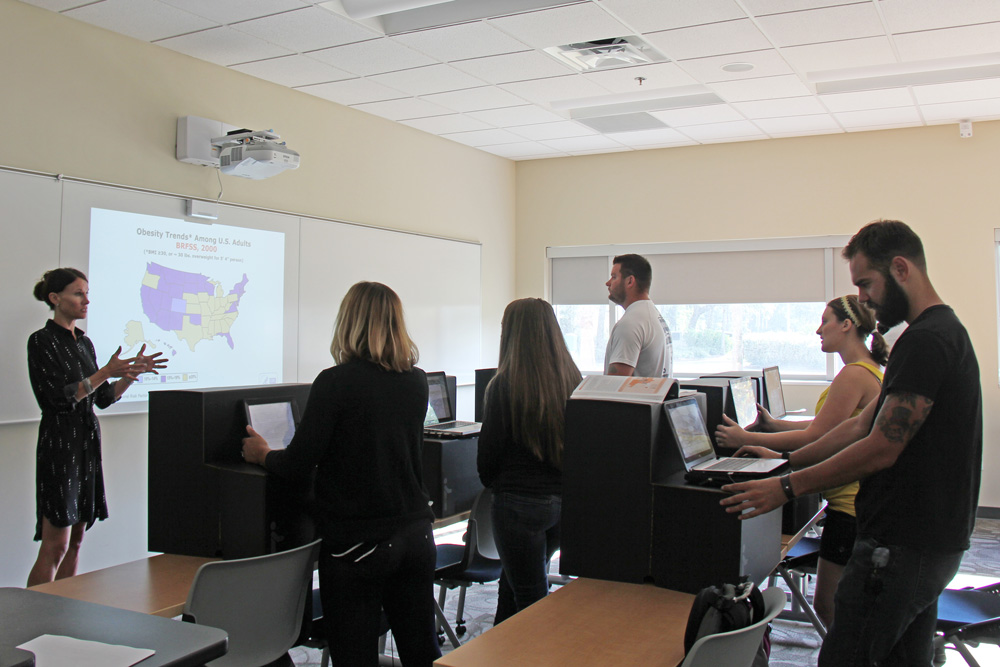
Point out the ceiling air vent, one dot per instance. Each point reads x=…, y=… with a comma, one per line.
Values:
x=607, y=53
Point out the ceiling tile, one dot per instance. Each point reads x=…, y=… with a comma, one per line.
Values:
x=596, y=142
x=957, y=92
x=658, y=75
x=763, y=7
x=822, y=25
x=451, y=123
x=664, y=137
x=475, y=99
x=484, y=137
x=761, y=89
x=234, y=11
x=523, y=149
x=709, y=40
x=780, y=108
x=458, y=42
x=894, y=126
x=558, y=130
x=306, y=29
x=514, y=116
x=57, y=5
x=143, y=19
x=427, y=80
x=544, y=91
x=404, y=109
x=879, y=117
x=353, y=91
x=561, y=25
x=653, y=15
x=224, y=46
x=956, y=111
x=717, y=113
x=914, y=15
x=513, y=67
x=798, y=124
x=949, y=42
x=375, y=56
x=840, y=55
x=867, y=99
x=293, y=71
x=714, y=131
x=765, y=63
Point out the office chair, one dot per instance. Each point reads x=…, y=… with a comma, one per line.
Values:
x=259, y=601
x=461, y=565
x=798, y=563
x=967, y=617
x=736, y=648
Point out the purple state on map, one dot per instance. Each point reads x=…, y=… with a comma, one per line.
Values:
x=191, y=305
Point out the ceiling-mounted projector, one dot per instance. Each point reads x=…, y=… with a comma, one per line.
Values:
x=257, y=160
x=254, y=155
x=240, y=152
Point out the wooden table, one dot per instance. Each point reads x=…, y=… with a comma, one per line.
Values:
x=586, y=622
x=158, y=585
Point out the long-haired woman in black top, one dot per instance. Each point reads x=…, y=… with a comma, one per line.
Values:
x=521, y=445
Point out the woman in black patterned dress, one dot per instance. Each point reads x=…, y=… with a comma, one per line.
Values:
x=67, y=383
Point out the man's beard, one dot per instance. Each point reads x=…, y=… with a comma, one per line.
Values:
x=895, y=306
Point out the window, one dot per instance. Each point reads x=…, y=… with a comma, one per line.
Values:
x=730, y=305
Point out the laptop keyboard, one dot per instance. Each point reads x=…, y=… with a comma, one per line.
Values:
x=731, y=464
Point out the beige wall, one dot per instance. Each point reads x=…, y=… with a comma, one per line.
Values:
x=945, y=187
x=88, y=103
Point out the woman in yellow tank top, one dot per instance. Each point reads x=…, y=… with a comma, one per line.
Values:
x=846, y=325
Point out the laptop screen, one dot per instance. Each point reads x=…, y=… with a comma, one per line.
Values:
x=744, y=400
x=438, y=402
x=690, y=433
x=274, y=419
x=775, y=395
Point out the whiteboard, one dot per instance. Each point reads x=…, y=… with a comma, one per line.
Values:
x=438, y=280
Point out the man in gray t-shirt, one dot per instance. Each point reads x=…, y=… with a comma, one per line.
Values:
x=640, y=342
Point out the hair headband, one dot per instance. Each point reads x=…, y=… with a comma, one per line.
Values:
x=850, y=313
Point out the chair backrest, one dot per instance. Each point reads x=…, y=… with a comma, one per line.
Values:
x=480, y=543
x=259, y=601
x=736, y=648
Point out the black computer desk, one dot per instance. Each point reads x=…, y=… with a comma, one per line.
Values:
x=26, y=614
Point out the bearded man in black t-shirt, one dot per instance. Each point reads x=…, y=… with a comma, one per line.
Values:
x=917, y=451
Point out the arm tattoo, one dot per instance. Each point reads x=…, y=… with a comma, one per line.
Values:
x=900, y=421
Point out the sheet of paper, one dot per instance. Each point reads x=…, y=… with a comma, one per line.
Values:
x=58, y=651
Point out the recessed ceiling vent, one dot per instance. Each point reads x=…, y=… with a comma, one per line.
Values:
x=607, y=53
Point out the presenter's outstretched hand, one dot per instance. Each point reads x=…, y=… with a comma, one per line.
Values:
x=730, y=434
x=150, y=363
x=120, y=368
x=255, y=447
x=754, y=498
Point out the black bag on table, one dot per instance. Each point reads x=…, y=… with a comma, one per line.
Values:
x=724, y=608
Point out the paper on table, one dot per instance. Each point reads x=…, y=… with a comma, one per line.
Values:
x=56, y=651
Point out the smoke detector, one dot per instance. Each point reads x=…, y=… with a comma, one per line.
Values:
x=607, y=53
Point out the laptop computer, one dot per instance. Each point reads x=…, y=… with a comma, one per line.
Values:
x=440, y=420
x=274, y=418
x=744, y=400
x=695, y=448
x=775, y=395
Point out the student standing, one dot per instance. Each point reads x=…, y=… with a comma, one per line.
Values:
x=363, y=431
x=639, y=343
x=67, y=384
x=845, y=326
x=520, y=449
x=918, y=453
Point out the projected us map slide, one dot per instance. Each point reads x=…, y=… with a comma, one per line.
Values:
x=209, y=297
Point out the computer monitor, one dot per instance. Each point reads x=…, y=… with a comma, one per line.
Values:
x=744, y=398
x=483, y=377
x=274, y=418
x=774, y=393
